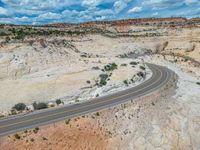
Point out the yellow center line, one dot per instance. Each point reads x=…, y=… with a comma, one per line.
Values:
x=25, y=121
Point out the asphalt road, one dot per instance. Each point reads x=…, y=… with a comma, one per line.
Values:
x=9, y=125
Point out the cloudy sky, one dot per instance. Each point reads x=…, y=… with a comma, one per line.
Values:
x=74, y=11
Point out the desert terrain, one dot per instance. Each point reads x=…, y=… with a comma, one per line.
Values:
x=74, y=63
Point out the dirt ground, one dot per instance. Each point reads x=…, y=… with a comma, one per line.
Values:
x=79, y=134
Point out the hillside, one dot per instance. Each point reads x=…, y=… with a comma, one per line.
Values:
x=76, y=62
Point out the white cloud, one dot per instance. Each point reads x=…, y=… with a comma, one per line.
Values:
x=104, y=12
x=23, y=19
x=4, y=11
x=160, y=4
x=91, y=3
x=120, y=5
x=38, y=4
x=49, y=11
x=135, y=10
x=7, y=20
x=70, y=13
x=191, y=2
x=163, y=3
x=50, y=15
x=100, y=18
x=36, y=7
x=155, y=14
x=189, y=13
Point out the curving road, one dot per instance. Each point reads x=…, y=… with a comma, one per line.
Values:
x=161, y=75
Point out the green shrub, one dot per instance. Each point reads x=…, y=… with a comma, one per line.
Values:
x=103, y=76
x=44, y=138
x=198, y=83
x=110, y=67
x=143, y=68
x=17, y=136
x=35, y=105
x=67, y=121
x=133, y=63
x=76, y=100
x=96, y=68
x=58, y=101
x=132, y=80
x=19, y=107
x=7, y=39
x=88, y=82
x=124, y=65
x=36, y=130
x=102, y=82
x=38, y=106
x=3, y=33
x=97, y=114
x=42, y=106
x=141, y=74
x=84, y=55
x=32, y=140
x=126, y=82
x=13, y=112
x=1, y=116
x=103, y=79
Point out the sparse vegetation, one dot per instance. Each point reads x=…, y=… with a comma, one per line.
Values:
x=103, y=79
x=2, y=33
x=76, y=101
x=13, y=112
x=110, y=67
x=58, y=101
x=96, y=68
x=132, y=80
x=142, y=67
x=88, y=82
x=141, y=74
x=20, y=107
x=32, y=140
x=102, y=82
x=21, y=32
x=103, y=76
x=45, y=139
x=1, y=116
x=38, y=106
x=17, y=136
x=67, y=121
x=36, y=130
x=7, y=39
x=83, y=55
x=124, y=65
x=133, y=63
x=126, y=82
x=97, y=114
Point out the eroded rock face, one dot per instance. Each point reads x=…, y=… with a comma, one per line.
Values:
x=169, y=121
x=48, y=68
x=172, y=122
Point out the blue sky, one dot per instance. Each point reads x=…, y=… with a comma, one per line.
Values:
x=75, y=11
